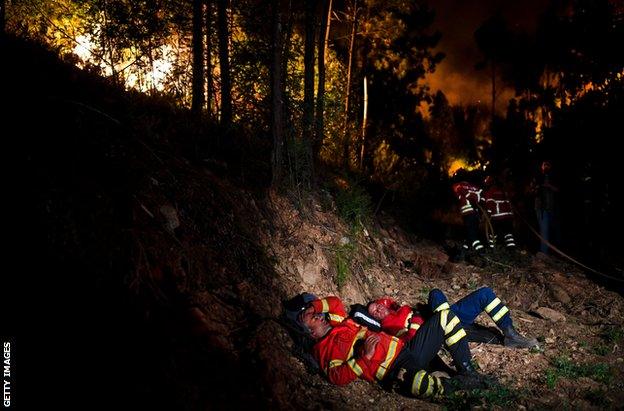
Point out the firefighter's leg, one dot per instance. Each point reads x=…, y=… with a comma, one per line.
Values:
x=543, y=218
x=484, y=299
x=437, y=301
x=492, y=239
x=455, y=340
x=471, y=222
x=410, y=368
x=505, y=228
x=467, y=309
x=421, y=384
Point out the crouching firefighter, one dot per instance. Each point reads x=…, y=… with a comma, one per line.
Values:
x=469, y=196
x=500, y=213
x=346, y=351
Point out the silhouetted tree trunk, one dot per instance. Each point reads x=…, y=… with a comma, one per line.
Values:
x=2, y=16
x=108, y=45
x=209, y=79
x=364, y=121
x=276, y=96
x=322, y=52
x=197, y=102
x=287, y=17
x=348, y=86
x=224, y=62
x=308, y=63
x=493, y=94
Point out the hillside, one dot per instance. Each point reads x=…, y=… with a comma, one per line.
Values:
x=160, y=264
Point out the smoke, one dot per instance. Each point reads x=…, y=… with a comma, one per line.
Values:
x=457, y=20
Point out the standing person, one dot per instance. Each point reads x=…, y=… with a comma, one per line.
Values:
x=469, y=196
x=500, y=212
x=346, y=350
x=545, y=204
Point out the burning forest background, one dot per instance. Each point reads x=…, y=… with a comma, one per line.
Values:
x=376, y=103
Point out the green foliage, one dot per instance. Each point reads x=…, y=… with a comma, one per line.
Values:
x=424, y=293
x=601, y=349
x=354, y=205
x=472, y=284
x=536, y=350
x=497, y=395
x=613, y=334
x=343, y=256
x=565, y=368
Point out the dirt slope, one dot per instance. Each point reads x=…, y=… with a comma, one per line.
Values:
x=581, y=343
x=157, y=270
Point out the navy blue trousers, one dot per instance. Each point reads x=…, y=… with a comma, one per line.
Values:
x=469, y=307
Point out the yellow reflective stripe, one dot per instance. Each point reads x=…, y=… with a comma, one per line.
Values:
x=443, y=306
x=456, y=337
x=429, y=386
x=500, y=313
x=352, y=364
x=381, y=371
x=493, y=304
x=451, y=325
x=335, y=363
x=407, y=320
x=414, y=326
x=359, y=336
x=405, y=325
x=443, y=318
x=355, y=367
x=325, y=305
x=417, y=382
x=336, y=317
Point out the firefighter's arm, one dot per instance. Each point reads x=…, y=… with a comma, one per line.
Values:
x=343, y=372
x=333, y=306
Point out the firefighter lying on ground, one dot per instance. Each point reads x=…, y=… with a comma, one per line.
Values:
x=405, y=322
x=346, y=350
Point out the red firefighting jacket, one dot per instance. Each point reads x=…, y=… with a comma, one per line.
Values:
x=402, y=322
x=468, y=195
x=339, y=352
x=497, y=204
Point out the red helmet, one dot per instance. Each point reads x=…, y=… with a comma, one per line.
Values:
x=387, y=302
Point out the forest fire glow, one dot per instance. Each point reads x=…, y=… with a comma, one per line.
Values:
x=460, y=163
x=153, y=78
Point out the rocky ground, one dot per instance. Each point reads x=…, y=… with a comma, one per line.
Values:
x=172, y=270
x=579, y=324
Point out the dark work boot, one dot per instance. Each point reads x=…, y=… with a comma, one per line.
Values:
x=465, y=367
x=467, y=379
x=513, y=339
x=457, y=254
x=480, y=334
